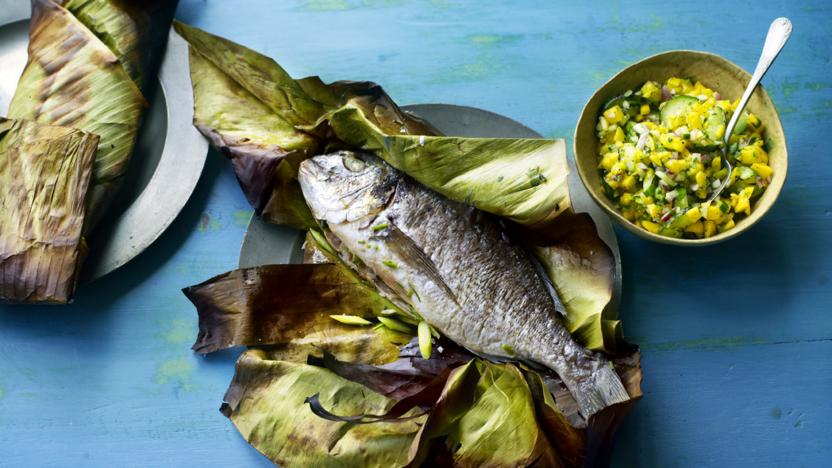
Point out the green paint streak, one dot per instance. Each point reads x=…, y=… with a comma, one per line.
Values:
x=776, y=413
x=207, y=223
x=489, y=40
x=179, y=331
x=481, y=69
x=327, y=5
x=785, y=110
x=242, y=217
x=705, y=343
x=176, y=372
x=655, y=23
x=817, y=86
x=788, y=88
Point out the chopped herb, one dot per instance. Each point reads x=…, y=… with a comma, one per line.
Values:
x=508, y=349
x=351, y=319
x=391, y=264
x=536, y=177
x=380, y=227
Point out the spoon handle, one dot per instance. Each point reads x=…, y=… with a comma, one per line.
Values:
x=778, y=34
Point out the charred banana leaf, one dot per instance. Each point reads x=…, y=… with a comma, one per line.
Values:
x=45, y=172
x=87, y=61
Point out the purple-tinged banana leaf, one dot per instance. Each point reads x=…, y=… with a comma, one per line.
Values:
x=45, y=173
x=402, y=378
x=578, y=442
x=485, y=417
x=266, y=404
x=582, y=270
x=288, y=307
x=523, y=180
x=251, y=109
x=73, y=78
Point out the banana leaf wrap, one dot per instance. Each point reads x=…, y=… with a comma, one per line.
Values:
x=581, y=268
x=300, y=352
x=266, y=122
x=45, y=172
x=87, y=63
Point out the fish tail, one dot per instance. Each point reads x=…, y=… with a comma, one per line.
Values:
x=602, y=389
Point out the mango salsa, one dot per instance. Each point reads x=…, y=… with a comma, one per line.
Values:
x=660, y=158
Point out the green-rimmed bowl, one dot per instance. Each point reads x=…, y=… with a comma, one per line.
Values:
x=716, y=73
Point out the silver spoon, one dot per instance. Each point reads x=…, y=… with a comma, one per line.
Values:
x=778, y=34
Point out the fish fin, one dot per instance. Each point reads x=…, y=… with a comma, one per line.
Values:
x=603, y=389
x=410, y=252
x=547, y=283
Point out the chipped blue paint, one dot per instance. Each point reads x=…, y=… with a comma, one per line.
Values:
x=737, y=337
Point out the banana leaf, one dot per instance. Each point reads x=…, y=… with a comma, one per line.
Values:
x=45, y=173
x=582, y=270
x=251, y=109
x=74, y=79
x=133, y=30
x=265, y=402
x=486, y=417
x=289, y=308
x=521, y=179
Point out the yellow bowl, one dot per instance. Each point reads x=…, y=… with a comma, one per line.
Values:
x=716, y=73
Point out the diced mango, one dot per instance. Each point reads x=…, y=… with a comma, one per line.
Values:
x=714, y=213
x=762, y=170
x=701, y=179
x=672, y=142
x=626, y=199
x=650, y=226
x=726, y=225
x=710, y=228
x=608, y=160
x=696, y=228
x=656, y=159
x=693, y=215
x=651, y=91
x=629, y=183
x=619, y=135
x=614, y=115
x=753, y=154
x=644, y=109
x=677, y=165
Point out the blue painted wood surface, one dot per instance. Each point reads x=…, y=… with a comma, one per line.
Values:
x=736, y=338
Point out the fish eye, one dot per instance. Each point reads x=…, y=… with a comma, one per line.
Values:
x=354, y=164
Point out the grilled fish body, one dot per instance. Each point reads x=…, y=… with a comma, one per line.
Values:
x=452, y=266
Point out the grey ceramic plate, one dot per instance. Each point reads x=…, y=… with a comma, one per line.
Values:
x=166, y=163
x=266, y=243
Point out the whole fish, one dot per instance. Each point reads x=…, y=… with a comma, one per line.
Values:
x=453, y=266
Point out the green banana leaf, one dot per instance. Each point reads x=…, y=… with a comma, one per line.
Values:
x=134, y=31
x=582, y=270
x=523, y=180
x=266, y=403
x=486, y=417
x=289, y=307
x=45, y=173
x=249, y=107
x=74, y=79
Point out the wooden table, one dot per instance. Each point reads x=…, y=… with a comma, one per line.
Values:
x=736, y=338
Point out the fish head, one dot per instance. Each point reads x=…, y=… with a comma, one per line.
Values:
x=345, y=186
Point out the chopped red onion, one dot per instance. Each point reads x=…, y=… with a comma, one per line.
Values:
x=665, y=93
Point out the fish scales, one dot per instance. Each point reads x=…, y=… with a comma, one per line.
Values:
x=454, y=267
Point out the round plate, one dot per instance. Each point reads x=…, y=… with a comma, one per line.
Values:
x=167, y=160
x=266, y=243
